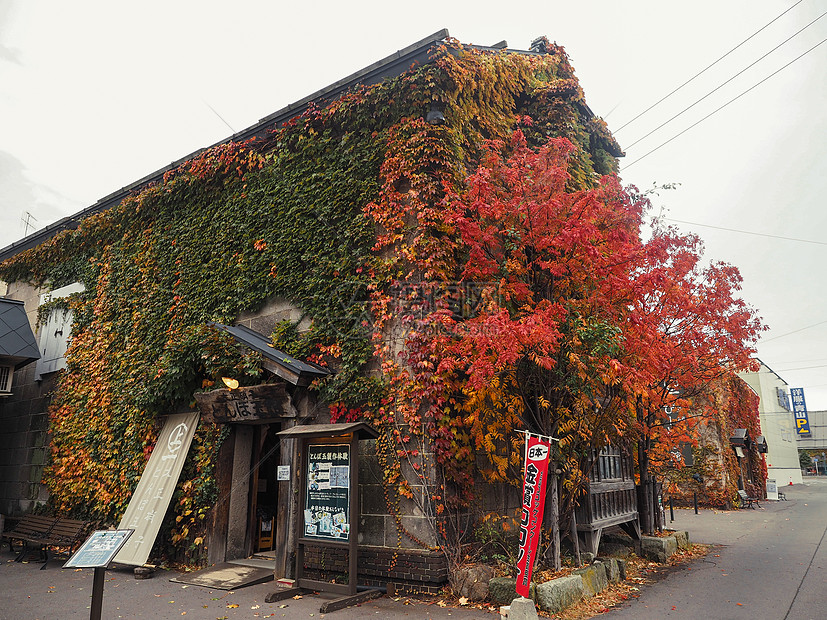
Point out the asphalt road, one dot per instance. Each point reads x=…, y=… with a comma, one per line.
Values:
x=769, y=563
x=28, y=593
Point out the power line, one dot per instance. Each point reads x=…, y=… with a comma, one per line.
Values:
x=708, y=67
x=801, y=368
x=720, y=86
x=747, y=232
x=765, y=340
x=754, y=86
x=221, y=118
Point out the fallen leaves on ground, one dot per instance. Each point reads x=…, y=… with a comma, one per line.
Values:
x=638, y=572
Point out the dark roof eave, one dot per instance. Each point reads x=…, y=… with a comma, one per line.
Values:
x=297, y=372
x=362, y=430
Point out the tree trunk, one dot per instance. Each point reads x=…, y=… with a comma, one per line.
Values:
x=551, y=519
x=575, y=540
x=647, y=523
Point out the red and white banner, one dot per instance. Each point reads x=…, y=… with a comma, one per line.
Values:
x=534, y=496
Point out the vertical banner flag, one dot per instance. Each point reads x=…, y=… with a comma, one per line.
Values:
x=802, y=424
x=534, y=495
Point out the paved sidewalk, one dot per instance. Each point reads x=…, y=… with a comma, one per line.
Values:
x=768, y=563
x=27, y=593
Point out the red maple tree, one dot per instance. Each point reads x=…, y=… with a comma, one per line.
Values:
x=567, y=324
x=687, y=329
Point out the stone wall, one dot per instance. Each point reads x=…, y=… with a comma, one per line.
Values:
x=274, y=311
x=24, y=424
x=376, y=525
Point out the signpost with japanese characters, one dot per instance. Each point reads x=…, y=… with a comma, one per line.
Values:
x=534, y=496
x=99, y=549
x=802, y=424
x=98, y=552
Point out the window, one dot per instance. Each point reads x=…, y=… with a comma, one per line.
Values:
x=609, y=464
x=6, y=373
x=54, y=333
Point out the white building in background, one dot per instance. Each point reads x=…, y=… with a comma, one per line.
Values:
x=777, y=424
x=817, y=439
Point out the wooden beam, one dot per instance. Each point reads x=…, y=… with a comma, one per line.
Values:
x=349, y=601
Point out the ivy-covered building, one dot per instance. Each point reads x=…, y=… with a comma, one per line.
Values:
x=723, y=452
x=260, y=282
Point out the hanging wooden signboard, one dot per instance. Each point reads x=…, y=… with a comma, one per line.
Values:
x=254, y=404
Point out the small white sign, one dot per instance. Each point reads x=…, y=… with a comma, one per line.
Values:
x=772, y=489
x=283, y=472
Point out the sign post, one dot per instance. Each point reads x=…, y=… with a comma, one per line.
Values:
x=535, y=475
x=98, y=552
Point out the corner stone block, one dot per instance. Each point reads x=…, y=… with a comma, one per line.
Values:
x=594, y=578
x=657, y=549
x=555, y=595
x=682, y=540
x=621, y=569
x=522, y=609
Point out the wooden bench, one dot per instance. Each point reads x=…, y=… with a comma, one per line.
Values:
x=747, y=501
x=27, y=530
x=44, y=533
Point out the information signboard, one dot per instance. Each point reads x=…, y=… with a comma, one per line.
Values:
x=327, y=499
x=99, y=549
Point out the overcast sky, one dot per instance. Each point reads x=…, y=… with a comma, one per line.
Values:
x=95, y=95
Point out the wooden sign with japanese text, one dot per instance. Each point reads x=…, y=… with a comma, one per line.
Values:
x=99, y=549
x=151, y=498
